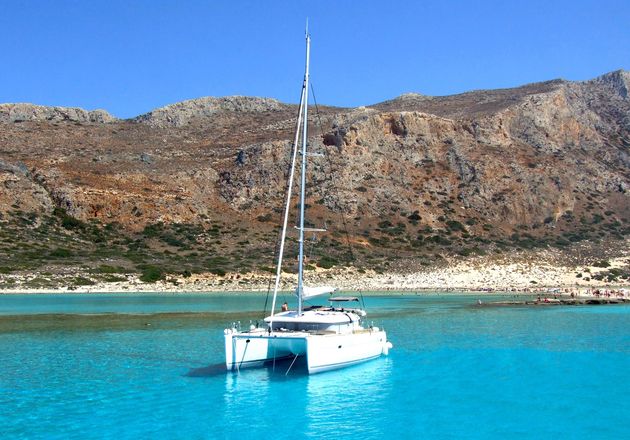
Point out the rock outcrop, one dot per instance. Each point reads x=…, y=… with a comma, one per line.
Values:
x=22, y=112
x=201, y=109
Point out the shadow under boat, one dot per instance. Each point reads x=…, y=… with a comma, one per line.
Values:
x=280, y=367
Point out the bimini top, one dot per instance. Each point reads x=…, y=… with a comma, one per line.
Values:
x=344, y=298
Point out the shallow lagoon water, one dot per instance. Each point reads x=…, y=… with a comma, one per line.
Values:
x=150, y=366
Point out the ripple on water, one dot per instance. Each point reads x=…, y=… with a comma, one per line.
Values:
x=455, y=371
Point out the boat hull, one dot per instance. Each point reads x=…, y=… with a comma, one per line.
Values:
x=323, y=352
x=253, y=349
x=329, y=352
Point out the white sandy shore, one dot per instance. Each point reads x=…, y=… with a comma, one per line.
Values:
x=478, y=274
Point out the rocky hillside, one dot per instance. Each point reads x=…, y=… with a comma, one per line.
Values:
x=17, y=113
x=417, y=177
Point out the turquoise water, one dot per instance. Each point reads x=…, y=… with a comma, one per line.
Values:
x=149, y=366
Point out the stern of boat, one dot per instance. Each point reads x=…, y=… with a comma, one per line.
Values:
x=256, y=347
x=243, y=349
x=329, y=352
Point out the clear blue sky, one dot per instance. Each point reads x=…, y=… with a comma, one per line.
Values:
x=129, y=57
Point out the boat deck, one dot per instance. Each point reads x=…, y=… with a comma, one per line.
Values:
x=258, y=333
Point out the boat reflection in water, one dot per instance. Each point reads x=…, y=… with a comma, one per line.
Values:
x=346, y=402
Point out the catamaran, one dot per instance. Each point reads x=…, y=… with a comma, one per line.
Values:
x=328, y=337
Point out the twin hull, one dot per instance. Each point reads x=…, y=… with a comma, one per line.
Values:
x=323, y=352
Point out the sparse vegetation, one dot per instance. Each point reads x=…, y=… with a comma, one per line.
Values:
x=61, y=253
x=151, y=274
x=613, y=275
x=82, y=281
x=327, y=262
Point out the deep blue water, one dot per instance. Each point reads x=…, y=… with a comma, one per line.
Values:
x=150, y=366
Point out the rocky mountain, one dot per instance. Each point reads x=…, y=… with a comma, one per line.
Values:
x=29, y=112
x=545, y=164
x=202, y=110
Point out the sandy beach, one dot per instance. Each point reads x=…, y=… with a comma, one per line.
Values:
x=477, y=275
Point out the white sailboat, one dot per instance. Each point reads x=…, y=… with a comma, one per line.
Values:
x=329, y=337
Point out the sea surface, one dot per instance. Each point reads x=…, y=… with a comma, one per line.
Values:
x=142, y=366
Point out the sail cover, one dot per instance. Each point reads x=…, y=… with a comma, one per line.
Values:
x=311, y=292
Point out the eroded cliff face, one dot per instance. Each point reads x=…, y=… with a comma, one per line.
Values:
x=538, y=156
x=500, y=160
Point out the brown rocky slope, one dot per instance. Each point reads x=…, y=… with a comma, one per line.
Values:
x=412, y=180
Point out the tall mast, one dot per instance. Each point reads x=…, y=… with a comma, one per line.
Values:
x=287, y=206
x=301, y=113
x=300, y=288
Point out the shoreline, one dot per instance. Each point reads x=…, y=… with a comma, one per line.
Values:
x=475, y=276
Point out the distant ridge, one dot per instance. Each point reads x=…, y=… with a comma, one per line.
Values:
x=182, y=113
x=21, y=112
